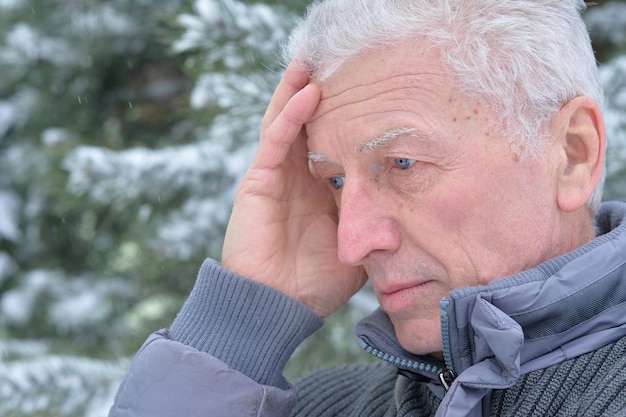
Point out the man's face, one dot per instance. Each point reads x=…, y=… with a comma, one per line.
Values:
x=430, y=196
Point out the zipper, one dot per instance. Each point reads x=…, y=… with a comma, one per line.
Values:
x=438, y=371
x=446, y=376
x=407, y=364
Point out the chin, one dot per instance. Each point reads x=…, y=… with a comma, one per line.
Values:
x=420, y=337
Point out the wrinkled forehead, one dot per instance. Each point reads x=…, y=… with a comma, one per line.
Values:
x=406, y=70
x=396, y=55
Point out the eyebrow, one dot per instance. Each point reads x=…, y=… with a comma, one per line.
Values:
x=384, y=140
x=372, y=144
x=315, y=157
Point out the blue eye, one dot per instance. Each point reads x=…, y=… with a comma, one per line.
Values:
x=337, y=182
x=404, y=163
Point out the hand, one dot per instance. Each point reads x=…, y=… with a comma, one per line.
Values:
x=283, y=227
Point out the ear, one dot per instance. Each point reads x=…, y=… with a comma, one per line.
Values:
x=581, y=142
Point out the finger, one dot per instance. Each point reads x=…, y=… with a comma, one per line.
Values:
x=294, y=80
x=281, y=134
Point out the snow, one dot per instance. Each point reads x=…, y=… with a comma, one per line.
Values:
x=16, y=307
x=208, y=10
x=7, y=117
x=17, y=304
x=54, y=136
x=235, y=22
x=228, y=91
x=71, y=303
x=7, y=5
x=208, y=170
x=81, y=386
x=7, y=266
x=102, y=20
x=201, y=96
x=79, y=310
x=10, y=205
x=141, y=173
x=25, y=45
x=22, y=348
x=193, y=37
x=15, y=111
x=186, y=229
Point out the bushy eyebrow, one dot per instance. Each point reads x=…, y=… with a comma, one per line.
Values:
x=315, y=157
x=372, y=144
x=385, y=139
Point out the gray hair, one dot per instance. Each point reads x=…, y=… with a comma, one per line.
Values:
x=525, y=58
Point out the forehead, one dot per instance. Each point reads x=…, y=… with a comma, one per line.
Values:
x=388, y=58
x=403, y=69
x=386, y=89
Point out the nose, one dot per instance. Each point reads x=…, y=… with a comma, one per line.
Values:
x=367, y=223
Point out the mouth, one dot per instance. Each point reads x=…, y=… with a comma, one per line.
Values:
x=403, y=298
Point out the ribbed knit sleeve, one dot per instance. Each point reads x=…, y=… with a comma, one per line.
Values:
x=251, y=327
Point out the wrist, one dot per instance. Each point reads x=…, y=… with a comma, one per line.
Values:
x=250, y=326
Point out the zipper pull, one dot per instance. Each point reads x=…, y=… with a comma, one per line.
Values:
x=446, y=377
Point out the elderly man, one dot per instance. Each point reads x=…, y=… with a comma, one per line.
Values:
x=451, y=153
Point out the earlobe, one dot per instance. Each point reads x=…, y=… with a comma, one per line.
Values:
x=582, y=143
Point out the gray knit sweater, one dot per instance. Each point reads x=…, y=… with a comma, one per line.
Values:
x=591, y=385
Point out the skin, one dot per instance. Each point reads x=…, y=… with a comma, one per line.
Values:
x=283, y=227
x=409, y=186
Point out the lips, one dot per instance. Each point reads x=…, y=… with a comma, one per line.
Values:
x=402, y=298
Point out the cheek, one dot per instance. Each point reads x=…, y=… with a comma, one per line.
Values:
x=487, y=232
x=454, y=206
x=461, y=227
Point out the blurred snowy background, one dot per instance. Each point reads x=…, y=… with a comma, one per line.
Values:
x=124, y=127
